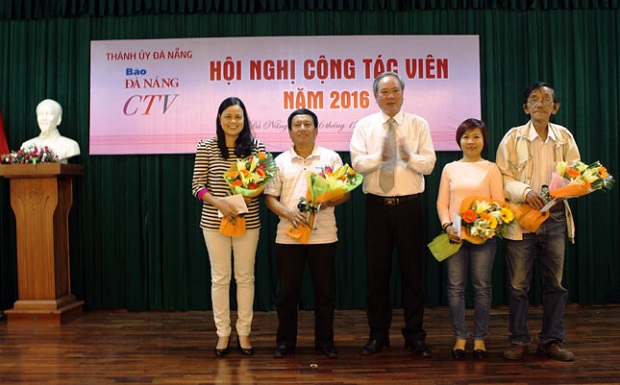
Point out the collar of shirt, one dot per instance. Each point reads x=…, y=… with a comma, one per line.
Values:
x=315, y=152
x=398, y=118
x=532, y=134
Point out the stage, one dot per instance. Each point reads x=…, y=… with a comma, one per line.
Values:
x=118, y=347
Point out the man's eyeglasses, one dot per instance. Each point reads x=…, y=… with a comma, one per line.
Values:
x=545, y=102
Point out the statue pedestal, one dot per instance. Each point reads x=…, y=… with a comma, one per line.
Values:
x=41, y=198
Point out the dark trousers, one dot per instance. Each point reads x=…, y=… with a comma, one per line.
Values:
x=400, y=226
x=290, y=263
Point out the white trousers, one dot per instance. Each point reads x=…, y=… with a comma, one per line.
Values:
x=225, y=254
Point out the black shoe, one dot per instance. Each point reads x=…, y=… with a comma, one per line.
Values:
x=244, y=351
x=479, y=354
x=458, y=354
x=282, y=351
x=222, y=352
x=374, y=346
x=328, y=351
x=419, y=348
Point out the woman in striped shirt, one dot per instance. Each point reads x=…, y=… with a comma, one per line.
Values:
x=214, y=156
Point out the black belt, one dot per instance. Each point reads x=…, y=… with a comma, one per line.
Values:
x=393, y=201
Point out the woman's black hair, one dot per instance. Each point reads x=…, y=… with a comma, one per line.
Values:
x=472, y=124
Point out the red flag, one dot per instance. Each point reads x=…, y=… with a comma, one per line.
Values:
x=4, y=144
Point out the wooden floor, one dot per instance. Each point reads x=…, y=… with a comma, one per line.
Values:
x=177, y=348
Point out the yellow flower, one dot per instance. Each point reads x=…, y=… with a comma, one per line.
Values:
x=560, y=168
x=507, y=215
x=493, y=222
x=482, y=207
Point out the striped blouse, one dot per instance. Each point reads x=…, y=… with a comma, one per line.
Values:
x=209, y=169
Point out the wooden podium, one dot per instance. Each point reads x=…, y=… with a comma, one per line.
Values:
x=41, y=197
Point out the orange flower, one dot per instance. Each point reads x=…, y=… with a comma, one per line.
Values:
x=485, y=216
x=470, y=216
x=262, y=156
x=237, y=183
x=573, y=173
x=260, y=172
x=602, y=171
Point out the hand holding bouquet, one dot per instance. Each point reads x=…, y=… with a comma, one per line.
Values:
x=247, y=177
x=568, y=181
x=325, y=186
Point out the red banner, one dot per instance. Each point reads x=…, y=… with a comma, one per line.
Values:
x=4, y=144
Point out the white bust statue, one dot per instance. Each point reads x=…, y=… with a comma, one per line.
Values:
x=49, y=116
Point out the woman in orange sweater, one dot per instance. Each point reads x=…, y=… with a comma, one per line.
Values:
x=470, y=175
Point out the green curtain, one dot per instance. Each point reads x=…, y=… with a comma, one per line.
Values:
x=135, y=241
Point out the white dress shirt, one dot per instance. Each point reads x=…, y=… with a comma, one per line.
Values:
x=367, y=145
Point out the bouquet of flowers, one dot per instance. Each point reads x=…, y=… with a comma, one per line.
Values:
x=247, y=177
x=484, y=218
x=324, y=186
x=31, y=154
x=579, y=179
x=481, y=219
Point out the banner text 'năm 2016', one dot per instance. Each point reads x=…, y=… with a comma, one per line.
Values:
x=160, y=96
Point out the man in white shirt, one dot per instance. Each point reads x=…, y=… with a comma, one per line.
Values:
x=49, y=116
x=393, y=150
x=282, y=196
